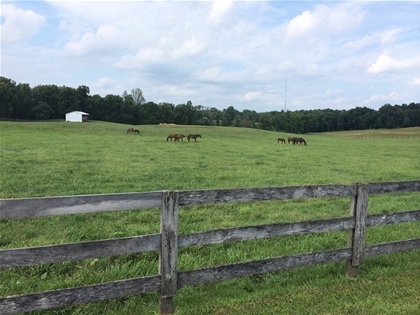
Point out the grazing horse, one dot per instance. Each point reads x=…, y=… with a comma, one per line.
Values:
x=176, y=137
x=137, y=131
x=193, y=136
x=179, y=136
x=129, y=130
x=290, y=139
x=299, y=141
x=281, y=140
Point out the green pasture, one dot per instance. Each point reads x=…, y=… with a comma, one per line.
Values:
x=59, y=158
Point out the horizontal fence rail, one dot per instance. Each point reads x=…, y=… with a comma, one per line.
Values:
x=167, y=242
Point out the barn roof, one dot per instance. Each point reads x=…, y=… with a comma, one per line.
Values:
x=78, y=112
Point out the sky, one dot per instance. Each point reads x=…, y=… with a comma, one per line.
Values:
x=256, y=55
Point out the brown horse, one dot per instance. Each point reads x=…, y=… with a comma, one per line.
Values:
x=299, y=141
x=137, y=131
x=171, y=136
x=179, y=136
x=290, y=139
x=281, y=140
x=193, y=136
x=175, y=136
x=130, y=130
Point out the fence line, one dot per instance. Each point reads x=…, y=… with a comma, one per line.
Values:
x=27, y=120
x=372, y=137
x=168, y=241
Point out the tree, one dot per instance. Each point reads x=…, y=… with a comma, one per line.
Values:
x=7, y=97
x=82, y=98
x=138, y=97
x=67, y=100
x=42, y=111
x=166, y=113
x=266, y=121
x=25, y=102
x=49, y=95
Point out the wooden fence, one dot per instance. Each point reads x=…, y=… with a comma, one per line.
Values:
x=168, y=241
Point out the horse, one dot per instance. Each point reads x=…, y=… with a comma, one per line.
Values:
x=179, y=136
x=290, y=139
x=129, y=130
x=299, y=141
x=193, y=136
x=175, y=136
x=281, y=140
x=171, y=136
x=137, y=131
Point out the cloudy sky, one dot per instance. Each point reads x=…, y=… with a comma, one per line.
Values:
x=257, y=55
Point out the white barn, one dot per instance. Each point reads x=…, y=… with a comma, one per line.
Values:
x=77, y=116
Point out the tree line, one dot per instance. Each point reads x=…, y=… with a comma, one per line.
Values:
x=45, y=102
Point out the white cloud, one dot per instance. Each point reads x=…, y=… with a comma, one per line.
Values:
x=189, y=48
x=416, y=81
x=177, y=91
x=251, y=96
x=144, y=58
x=385, y=63
x=106, y=39
x=219, y=11
x=20, y=25
x=377, y=98
x=385, y=38
x=105, y=86
x=323, y=20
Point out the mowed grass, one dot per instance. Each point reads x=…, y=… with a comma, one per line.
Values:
x=53, y=159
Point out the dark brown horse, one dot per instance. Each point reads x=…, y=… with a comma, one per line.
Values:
x=281, y=140
x=193, y=136
x=299, y=141
x=137, y=131
x=290, y=139
x=130, y=130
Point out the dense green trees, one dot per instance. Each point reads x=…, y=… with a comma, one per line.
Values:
x=43, y=102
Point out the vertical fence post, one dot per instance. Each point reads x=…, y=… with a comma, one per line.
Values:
x=168, y=255
x=356, y=239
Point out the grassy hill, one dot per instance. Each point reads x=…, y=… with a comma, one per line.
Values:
x=58, y=158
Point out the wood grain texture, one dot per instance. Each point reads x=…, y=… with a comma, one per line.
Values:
x=351, y=271
x=392, y=247
x=393, y=218
x=225, y=272
x=264, y=231
x=78, y=295
x=32, y=207
x=394, y=187
x=194, y=197
x=168, y=254
x=360, y=224
x=29, y=256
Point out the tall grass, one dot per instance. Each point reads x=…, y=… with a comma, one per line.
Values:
x=51, y=159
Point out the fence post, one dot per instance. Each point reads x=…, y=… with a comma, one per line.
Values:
x=168, y=254
x=356, y=239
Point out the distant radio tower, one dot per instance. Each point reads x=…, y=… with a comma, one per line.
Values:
x=285, y=96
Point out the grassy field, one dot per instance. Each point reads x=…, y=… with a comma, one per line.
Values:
x=52, y=159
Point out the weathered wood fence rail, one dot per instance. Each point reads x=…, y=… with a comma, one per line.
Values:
x=168, y=241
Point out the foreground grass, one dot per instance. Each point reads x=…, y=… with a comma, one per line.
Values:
x=51, y=159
